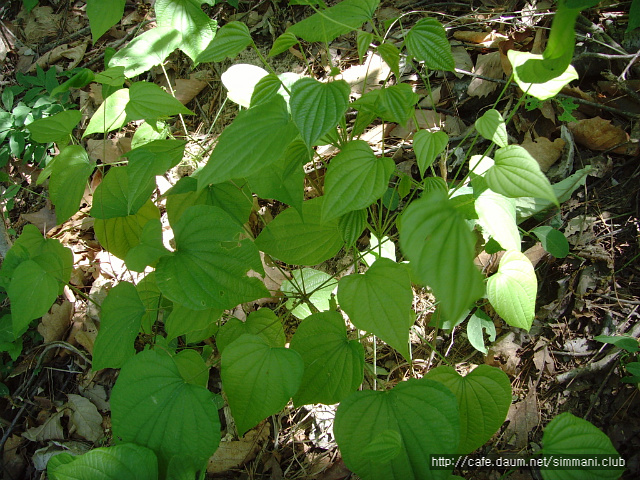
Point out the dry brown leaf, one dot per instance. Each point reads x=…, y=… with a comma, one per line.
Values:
x=427, y=119
x=488, y=65
x=84, y=334
x=486, y=39
x=74, y=53
x=544, y=150
x=55, y=323
x=377, y=134
x=51, y=429
x=40, y=24
x=108, y=150
x=374, y=70
x=504, y=354
x=84, y=416
x=599, y=134
x=13, y=463
x=235, y=453
x=44, y=219
x=462, y=59
x=186, y=89
x=523, y=418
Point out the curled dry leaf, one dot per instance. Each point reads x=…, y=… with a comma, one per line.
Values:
x=51, y=429
x=84, y=416
x=599, y=134
x=544, y=150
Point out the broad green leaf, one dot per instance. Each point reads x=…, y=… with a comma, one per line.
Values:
x=192, y=367
x=423, y=413
x=120, y=320
x=148, y=132
x=351, y=225
x=395, y=103
x=267, y=87
x=441, y=248
x=478, y=322
x=363, y=41
x=229, y=41
x=187, y=17
x=55, y=128
x=81, y=79
x=263, y=323
x=32, y=291
x=391, y=56
x=310, y=284
x=427, y=146
x=113, y=197
x=333, y=364
x=553, y=241
x=569, y=435
x=127, y=461
x=484, y=396
x=355, y=179
x=379, y=301
x=110, y=115
x=241, y=80
x=70, y=171
x=542, y=91
x=233, y=196
x=153, y=301
x=120, y=234
x=517, y=174
x=283, y=180
x=148, y=101
x=209, y=267
x=491, y=126
x=47, y=252
x=512, y=290
x=112, y=77
x=528, y=206
x=497, y=217
x=427, y=42
x=103, y=14
x=152, y=405
x=283, y=43
x=152, y=159
x=301, y=239
x=630, y=344
x=257, y=138
x=150, y=248
x=258, y=379
x=147, y=50
x=317, y=107
x=329, y=24
x=192, y=323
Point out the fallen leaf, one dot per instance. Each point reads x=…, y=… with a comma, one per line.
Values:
x=523, y=418
x=599, y=134
x=85, y=334
x=487, y=65
x=85, y=418
x=44, y=219
x=98, y=396
x=108, y=150
x=486, y=39
x=374, y=71
x=504, y=354
x=56, y=322
x=462, y=59
x=13, y=463
x=51, y=429
x=427, y=119
x=544, y=150
x=235, y=453
x=186, y=89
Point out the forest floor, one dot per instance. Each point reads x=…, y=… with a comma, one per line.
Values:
x=555, y=367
